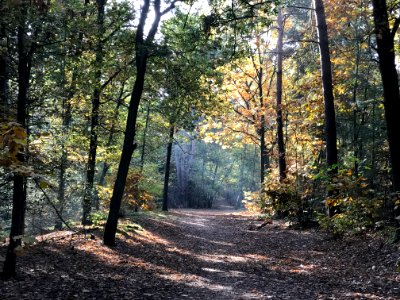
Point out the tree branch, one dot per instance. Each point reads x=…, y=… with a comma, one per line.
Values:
x=395, y=27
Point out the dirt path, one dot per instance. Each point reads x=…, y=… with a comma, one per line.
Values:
x=207, y=255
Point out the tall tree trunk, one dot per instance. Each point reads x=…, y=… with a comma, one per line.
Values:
x=355, y=113
x=279, y=118
x=264, y=159
x=168, y=166
x=385, y=41
x=142, y=55
x=3, y=69
x=19, y=188
x=144, y=137
x=91, y=165
x=329, y=106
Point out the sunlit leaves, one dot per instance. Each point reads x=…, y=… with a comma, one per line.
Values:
x=13, y=141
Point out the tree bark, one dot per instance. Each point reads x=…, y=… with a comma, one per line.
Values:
x=19, y=188
x=387, y=65
x=144, y=137
x=91, y=165
x=329, y=106
x=279, y=118
x=264, y=158
x=3, y=70
x=142, y=55
x=167, y=167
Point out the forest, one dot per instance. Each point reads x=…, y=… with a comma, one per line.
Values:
x=184, y=149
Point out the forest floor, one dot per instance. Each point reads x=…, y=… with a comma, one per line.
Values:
x=205, y=254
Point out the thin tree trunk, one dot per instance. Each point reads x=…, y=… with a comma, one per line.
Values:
x=142, y=55
x=243, y=157
x=355, y=112
x=19, y=188
x=3, y=71
x=279, y=118
x=386, y=52
x=329, y=106
x=167, y=167
x=264, y=159
x=91, y=165
x=373, y=152
x=144, y=138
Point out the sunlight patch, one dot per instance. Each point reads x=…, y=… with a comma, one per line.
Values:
x=195, y=281
x=210, y=241
x=303, y=269
x=212, y=270
x=147, y=237
x=257, y=257
x=194, y=223
x=223, y=258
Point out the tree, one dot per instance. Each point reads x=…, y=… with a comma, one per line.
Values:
x=94, y=123
x=187, y=67
x=4, y=76
x=19, y=182
x=329, y=106
x=142, y=52
x=279, y=117
x=167, y=167
x=386, y=52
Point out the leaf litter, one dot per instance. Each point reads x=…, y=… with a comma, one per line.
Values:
x=205, y=254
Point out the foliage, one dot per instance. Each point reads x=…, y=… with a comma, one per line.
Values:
x=358, y=207
x=213, y=77
x=98, y=218
x=136, y=196
x=252, y=202
x=283, y=198
x=13, y=141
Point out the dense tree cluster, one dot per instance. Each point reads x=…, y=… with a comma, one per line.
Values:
x=109, y=107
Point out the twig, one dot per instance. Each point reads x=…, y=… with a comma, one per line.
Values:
x=52, y=205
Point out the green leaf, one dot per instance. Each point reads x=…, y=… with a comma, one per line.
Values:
x=43, y=185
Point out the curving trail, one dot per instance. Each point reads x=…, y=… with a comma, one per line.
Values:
x=208, y=254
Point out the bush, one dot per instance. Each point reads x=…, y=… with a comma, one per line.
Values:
x=135, y=195
x=357, y=207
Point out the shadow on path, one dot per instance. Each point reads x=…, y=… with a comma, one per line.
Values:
x=205, y=254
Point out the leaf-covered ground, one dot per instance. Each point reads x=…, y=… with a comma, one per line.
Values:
x=190, y=254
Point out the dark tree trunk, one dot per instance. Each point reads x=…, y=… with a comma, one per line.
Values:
x=3, y=72
x=167, y=167
x=264, y=158
x=61, y=187
x=355, y=113
x=385, y=41
x=19, y=188
x=91, y=165
x=144, y=137
x=279, y=118
x=329, y=106
x=142, y=54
